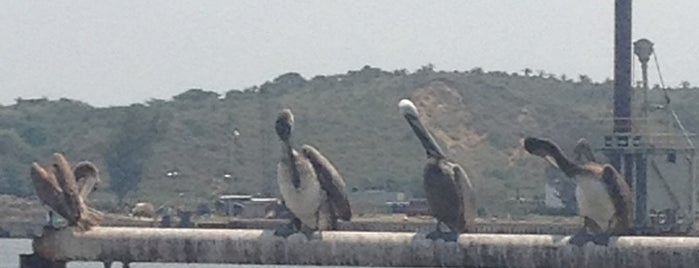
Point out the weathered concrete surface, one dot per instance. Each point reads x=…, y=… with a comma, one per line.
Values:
x=364, y=225
x=360, y=249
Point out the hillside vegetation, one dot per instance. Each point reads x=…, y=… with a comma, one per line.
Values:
x=480, y=119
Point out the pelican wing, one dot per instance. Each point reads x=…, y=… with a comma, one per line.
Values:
x=620, y=194
x=64, y=174
x=330, y=180
x=48, y=190
x=66, y=180
x=45, y=184
x=467, y=192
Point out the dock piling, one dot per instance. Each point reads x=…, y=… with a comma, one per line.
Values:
x=36, y=261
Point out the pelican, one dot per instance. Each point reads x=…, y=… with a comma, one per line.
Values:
x=450, y=195
x=310, y=185
x=57, y=188
x=604, y=198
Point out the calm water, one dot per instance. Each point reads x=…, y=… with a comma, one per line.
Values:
x=11, y=248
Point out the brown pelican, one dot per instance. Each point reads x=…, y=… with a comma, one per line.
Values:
x=310, y=185
x=57, y=188
x=449, y=191
x=604, y=198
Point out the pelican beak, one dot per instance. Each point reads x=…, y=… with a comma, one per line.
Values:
x=542, y=148
x=421, y=132
x=39, y=171
x=538, y=147
x=551, y=161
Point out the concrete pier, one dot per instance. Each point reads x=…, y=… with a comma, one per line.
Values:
x=106, y=244
x=368, y=225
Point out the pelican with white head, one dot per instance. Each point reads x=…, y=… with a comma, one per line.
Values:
x=311, y=186
x=449, y=191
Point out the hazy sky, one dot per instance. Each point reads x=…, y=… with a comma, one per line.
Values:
x=121, y=52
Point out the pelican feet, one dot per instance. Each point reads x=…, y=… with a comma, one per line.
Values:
x=285, y=230
x=294, y=226
x=582, y=237
x=446, y=236
x=594, y=233
x=437, y=234
x=310, y=234
x=601, y=239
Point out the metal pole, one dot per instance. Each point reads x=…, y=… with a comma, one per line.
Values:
x=644, y=71
x=622, y=90
x=622, y=66
x=641, y=189
x=629, y=175
x=643, y=48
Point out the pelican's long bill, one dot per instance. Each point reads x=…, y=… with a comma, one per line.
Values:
x=409, y=111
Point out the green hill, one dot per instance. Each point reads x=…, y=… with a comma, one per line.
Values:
x=353, y=118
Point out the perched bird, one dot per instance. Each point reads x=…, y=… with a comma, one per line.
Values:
x=604, y=197
x=449, y=191
x=57, y=188
x=311, y=187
